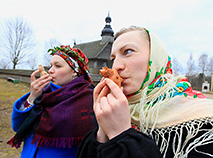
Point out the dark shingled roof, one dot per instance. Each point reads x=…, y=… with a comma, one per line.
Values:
x=92, y=49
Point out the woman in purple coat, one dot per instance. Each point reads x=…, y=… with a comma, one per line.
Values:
x=54, y=117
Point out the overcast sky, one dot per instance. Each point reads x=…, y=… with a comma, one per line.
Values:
x=185, y=26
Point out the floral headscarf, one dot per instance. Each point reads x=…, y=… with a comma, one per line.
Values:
x=166, y=102
x=74, y=57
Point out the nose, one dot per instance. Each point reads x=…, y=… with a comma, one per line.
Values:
x=51, y=71
x=118, y=64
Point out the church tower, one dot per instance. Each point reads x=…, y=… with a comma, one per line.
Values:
x=107, y=33
x=98, y=52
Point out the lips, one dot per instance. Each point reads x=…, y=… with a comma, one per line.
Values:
x=124, y=79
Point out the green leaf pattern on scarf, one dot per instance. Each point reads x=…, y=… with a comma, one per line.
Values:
x=158, y=74
x=147, y=75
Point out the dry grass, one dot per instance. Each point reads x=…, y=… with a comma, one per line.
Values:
x=9, y=93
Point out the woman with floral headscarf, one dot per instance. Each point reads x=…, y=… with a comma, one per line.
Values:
x=54, y=117
x=154, y=114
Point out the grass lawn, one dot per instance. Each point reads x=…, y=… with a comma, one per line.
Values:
x=9, y=93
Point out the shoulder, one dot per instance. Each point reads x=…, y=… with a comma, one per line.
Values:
x=182, y=109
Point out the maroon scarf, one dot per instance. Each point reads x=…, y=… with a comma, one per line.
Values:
x=65, y=117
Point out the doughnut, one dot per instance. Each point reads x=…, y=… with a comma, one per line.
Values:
x=42, y=71
x=111, y=74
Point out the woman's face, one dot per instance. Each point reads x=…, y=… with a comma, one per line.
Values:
x=130, y=55
x=60, y=71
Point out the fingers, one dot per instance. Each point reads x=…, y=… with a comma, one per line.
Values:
x=43, y=81
x=111, y=100
x=105, y=91
x=32, y=77
x=102, y=110
x=113, y=115
x=99, y=96
x=105, y=87
x=108, y=92
x=38, y=84
x=104, y=105
x=115, y=89
x=111, y=109
x=98, y=90
x=108, y=104
x=40, y=81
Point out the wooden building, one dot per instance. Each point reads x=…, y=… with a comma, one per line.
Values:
x=98, y=52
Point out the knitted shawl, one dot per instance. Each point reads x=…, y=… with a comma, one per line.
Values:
x=166, y=103
x=60, y=118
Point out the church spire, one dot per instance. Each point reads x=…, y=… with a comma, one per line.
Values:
x=107, y=33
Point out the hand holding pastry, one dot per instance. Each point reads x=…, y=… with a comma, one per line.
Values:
x=37, y=85
x=111, y=110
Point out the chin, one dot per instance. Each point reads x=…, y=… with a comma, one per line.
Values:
x=126, y=92
x=129, y=90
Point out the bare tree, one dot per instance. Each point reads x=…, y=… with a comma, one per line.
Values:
x=51, y=43
x=210, y=65
x=17, y=39
x=176, y=66
x=191, y=66
x=203, y=62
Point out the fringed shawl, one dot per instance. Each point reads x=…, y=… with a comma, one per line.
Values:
x=60, y=118
x=167, y=103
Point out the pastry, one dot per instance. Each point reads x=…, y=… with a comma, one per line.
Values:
x=111, y=74
x=42, y=71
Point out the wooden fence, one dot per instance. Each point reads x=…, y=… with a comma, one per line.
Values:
x=24, y=75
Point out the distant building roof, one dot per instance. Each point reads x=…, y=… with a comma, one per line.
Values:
x=93, y=49
x=99, y=49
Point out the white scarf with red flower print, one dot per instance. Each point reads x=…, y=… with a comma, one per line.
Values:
x=167, y=101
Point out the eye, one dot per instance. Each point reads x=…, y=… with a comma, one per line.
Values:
x=128, y=51
x=57, y=65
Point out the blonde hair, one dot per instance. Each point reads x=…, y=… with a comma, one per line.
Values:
x=144, y=32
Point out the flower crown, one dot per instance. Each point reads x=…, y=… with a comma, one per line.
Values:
x=72, y=56
x=75, y=54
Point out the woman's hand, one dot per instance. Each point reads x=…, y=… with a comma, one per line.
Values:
x=111, y=108
x=37, y=85
x=101, y=136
